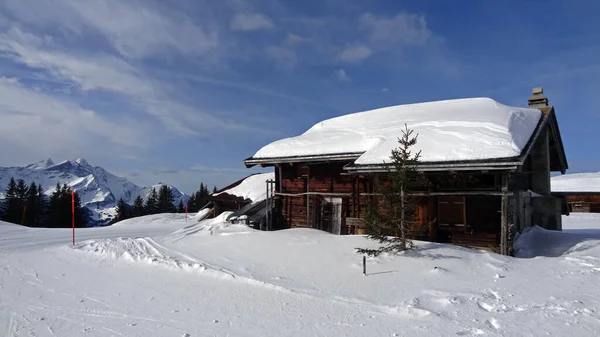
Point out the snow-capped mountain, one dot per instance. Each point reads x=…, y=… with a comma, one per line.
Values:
x=99, y=189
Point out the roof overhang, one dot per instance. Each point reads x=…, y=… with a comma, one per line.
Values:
x=264, y=162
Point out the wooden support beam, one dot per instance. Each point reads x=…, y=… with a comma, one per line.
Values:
x=504, y=217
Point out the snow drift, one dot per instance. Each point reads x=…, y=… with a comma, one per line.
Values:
x=461, y=129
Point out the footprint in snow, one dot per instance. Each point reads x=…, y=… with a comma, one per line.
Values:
x=486, y=307
x=493, y=323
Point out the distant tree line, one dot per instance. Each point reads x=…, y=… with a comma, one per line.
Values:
x=161, y=201
x=29, y=206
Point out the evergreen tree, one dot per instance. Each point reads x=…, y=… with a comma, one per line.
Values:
x=59, y=211
x=397, y=210
x=138, y=207
x=123, y=210
x=180, y=207
x=42, y=207
x=214, y=189
x=192, y=204
x=81, y=218
x=31, y=206
x=166, y=200
x=54, y=209
x=151, y=206
x=11, y=204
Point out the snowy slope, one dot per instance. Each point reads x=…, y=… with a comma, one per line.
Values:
x=461, y=129
x=254, y=187
x=162, y=276
x=578, y=182
x=99, y=189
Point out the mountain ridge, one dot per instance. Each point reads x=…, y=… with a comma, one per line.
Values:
x=98, y=189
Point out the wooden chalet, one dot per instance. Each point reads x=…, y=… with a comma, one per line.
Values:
x=581, y=202
x=476, y=202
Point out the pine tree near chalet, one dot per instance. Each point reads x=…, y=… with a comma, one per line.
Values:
x=391, y=223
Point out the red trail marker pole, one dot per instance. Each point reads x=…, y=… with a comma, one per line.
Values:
x=73, y=214
x=186, y=212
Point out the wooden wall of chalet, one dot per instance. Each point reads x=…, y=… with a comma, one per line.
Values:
x=584, y=203
x=481, y=217
x=321, y=179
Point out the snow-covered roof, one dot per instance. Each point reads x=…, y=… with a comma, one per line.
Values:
x=578, y=182
x=253, y=187
x=451, y=130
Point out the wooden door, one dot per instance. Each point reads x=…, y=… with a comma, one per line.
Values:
x=332, y=215
x=451, y=213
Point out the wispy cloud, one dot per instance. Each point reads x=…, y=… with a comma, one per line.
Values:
x=404, y=29
x=134, y=28
x=284, y=57
x=355, y=53
x=38, y=117
x=113, y=75
x=342, y=76
x=250, y=22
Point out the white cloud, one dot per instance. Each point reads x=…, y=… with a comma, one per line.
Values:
x=355, y=53
x=134, y=28
x=342, y=76
x=404, y=28
x=250, y=22
x=385, y=90
x=294, y=40
x=112, y=75
x=37, y=125
x=90, y=73
x=283, y=57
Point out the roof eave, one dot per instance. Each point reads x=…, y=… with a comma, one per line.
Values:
x=350, y=156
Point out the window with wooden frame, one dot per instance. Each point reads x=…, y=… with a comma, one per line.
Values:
x=452, y=212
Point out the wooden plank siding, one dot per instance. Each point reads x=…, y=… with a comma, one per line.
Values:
x=477, y=217
x=590, y=203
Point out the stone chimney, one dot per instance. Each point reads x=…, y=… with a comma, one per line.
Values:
x=538, y=99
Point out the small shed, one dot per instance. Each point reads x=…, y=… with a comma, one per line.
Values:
x=581, y=191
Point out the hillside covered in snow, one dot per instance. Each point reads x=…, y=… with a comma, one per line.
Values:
x=577, y=182
x=165, y=275
x=98, y=189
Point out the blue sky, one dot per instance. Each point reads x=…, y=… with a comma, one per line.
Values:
x=182, y=91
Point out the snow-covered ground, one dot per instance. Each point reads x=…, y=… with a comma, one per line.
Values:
x=164, y=276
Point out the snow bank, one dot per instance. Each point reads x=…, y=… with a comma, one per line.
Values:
x=581, y=232
x=461, y=129
x=254, y=187
x=579, y=182
x=135, y=281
